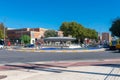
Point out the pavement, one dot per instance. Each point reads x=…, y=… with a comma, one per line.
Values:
x=72, y=50
x=108, y=69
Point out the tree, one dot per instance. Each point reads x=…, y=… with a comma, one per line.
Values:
x=25, y=39
x=50, y=33
x=91, y=33
x=65, y=28
x=78, y=31
x=74, y=29
x=2, y=31
x=71, y=28
x=115, y=28
x=1, y=34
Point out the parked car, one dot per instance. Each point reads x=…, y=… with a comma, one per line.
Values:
x=29, y=45
x=1, y=46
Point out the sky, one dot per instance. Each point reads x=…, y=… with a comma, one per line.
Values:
x=50, y=14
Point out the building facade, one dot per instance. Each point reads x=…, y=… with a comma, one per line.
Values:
x=34, y=33
x=106, y=37
x=60, y=33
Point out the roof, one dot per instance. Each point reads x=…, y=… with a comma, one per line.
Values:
x=59, y=39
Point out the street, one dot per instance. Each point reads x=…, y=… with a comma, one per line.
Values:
x=14, y=56
x=33, y=65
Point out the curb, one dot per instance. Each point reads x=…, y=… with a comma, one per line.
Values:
x=59, y=51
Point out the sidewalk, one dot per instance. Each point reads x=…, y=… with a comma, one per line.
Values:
x=62, y=71
x=53, y=51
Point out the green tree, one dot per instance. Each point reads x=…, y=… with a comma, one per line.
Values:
x=1, y=34
x=2, y=31
x=115, y=28
x=92, y=34
x=78, y=31
x=65, y=28
x=71, y=28
x=74, y=29
x=25, y=39
x=50, y=33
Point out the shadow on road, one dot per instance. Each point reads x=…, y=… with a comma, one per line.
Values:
x=113, y=51
x=3, y=76
x=109, y=65
x=52, y=68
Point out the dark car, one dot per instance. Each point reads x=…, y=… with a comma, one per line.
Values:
x=29, y=45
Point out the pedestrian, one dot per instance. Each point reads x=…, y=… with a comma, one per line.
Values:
x=9, y=44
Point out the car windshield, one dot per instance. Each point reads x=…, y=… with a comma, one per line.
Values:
x=1, y=42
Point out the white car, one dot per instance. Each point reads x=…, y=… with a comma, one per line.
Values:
x=1, y=46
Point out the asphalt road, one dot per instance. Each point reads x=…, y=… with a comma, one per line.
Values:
x=14, y=56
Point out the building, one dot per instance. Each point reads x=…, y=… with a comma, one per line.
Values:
x=99, y=37
x=60, y=33
x=106, y=37
x=34, y=33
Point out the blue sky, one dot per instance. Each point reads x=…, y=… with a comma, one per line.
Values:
x=95, y=14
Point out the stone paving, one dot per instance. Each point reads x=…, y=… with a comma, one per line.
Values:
x=73, y=70
x=69, y=73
